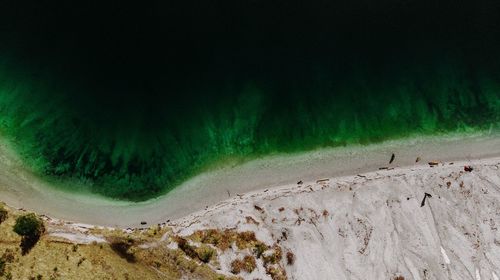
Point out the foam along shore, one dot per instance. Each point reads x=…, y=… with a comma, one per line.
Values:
x=20, y=189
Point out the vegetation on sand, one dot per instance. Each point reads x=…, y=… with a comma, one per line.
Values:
x=30, y=227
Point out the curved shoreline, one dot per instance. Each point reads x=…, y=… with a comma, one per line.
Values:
x=19, y=189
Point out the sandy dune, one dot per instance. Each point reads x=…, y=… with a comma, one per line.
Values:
x=373, y=226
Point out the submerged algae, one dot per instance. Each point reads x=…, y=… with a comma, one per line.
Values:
x=139, y=151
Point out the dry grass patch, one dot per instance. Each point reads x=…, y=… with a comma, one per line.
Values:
x=273, y=256
x=276, y=272
x=203, y=252
x=122, y=257
x=236, y=266
x=247, y=264
x=184, y=245
x=223, y=239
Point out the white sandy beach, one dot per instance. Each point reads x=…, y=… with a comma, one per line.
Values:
x=373, y=226
x=21, y=189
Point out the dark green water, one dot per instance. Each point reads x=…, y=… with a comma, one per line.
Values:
x=130, y=101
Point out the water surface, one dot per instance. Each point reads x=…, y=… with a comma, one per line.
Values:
x=130, y=100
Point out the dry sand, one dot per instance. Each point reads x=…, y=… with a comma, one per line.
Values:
x=19, y=188
x=373, y=226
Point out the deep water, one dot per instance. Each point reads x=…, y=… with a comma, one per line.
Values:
x=130, y=101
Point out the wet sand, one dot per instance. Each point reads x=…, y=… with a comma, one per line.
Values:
x=21, y=189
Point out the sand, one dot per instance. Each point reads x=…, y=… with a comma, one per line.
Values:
x=22, y=189
x=373, y=226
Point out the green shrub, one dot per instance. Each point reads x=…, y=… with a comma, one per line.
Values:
x=2, y=266
x=205, y=253
x=29, y=226
x=3, y=214
x=123, y=247
x=259, y=249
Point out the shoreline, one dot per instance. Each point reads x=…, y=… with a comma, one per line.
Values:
x=379, y=219
x=290, y=190
x=20, y=189
x=328, y=227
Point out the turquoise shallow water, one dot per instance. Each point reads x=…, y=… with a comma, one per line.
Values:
x=130, y=110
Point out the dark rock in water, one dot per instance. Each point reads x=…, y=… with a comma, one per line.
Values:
x=143, y=223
